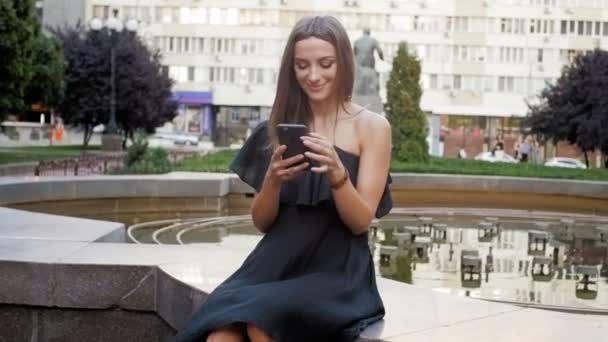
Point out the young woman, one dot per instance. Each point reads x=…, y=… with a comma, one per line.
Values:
x=311, y=277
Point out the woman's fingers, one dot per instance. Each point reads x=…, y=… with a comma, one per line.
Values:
x=285, y=163
x=278, y=152
x=318, y=146
x=320, y=141
x=319, y=169
x=292, y=172
x=317, y=135
x=323, y=159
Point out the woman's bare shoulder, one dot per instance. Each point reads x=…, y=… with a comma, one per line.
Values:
x=372, y=124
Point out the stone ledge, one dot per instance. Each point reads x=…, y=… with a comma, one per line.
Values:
x=15, y=190
x=27, y=324
x=594, y=189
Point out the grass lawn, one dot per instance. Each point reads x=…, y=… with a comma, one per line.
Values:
x=215, y=162
x=219, y=162
x=35, y=153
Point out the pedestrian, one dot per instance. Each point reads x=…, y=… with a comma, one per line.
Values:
x=524, y=150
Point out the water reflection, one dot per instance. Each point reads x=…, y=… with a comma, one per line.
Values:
x=558, y=262
x=553, y=261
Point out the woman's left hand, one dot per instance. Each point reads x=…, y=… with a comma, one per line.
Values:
x=323, y=151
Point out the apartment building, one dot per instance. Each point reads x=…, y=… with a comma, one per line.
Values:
x=482, y=60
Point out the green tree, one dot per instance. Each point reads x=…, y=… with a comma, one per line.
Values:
x=575, y=107
x=46, y=84
x=17, y=31
x=143, y=93
x=402, y=108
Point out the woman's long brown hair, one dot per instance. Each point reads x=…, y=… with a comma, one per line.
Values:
x=291, y=104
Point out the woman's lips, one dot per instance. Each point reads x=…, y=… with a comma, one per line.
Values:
x=315, y=88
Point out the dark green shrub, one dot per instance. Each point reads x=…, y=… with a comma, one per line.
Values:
x=142, y=160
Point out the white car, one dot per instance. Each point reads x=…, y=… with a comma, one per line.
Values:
x=179, y=138
x=565, y=162
x=497, y=157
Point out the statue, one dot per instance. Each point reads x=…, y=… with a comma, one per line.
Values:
x=367, y=84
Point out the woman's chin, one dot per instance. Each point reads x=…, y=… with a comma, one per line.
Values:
x=317, y=97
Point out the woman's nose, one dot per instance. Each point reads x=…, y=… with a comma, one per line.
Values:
x=314, y=74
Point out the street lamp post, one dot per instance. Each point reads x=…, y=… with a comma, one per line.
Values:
x=111, y=138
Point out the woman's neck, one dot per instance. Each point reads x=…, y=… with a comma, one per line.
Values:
x=324, y=113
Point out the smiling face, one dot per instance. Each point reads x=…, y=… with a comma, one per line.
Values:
x=315, y=68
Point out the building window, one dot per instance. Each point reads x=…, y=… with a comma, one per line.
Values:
x=457, y=82
x=198, y=15
x=477, y=84
x=101, y=12
x=505, y=84
x=551, y=26
x=254, y=114
x=129, y=12
x=461, y=24
x=571, y=55
x=532, y=25
x=185, y=15
x=588, y=28
x=235, y=114
x=191, y=73
x=564, y=27
x=446, y=82
x=505, y=25
x=178, y=73
x=215, y=16
x=175, y=15
x=489, y=83
x=163, y=14
x=178, y=44
x=231, y=75
x=250, y=75
x=572, y=27
x=433, y=81
x=232, y=16
x=144, y=14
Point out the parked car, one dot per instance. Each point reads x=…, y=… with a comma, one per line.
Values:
x=565, y=162
x=179, y=138
x=497, y=157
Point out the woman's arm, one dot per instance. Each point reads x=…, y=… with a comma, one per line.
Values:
x=357, y=205
x=265, y=206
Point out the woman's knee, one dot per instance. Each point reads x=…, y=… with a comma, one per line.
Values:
x=227, y=334
x=257, y=335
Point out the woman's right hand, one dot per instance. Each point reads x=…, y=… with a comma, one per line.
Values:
x=281, y=170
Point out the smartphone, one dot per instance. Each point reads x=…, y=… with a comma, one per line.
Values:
x=289, y=135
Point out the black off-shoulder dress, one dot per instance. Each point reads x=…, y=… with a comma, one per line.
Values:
x=309, y=278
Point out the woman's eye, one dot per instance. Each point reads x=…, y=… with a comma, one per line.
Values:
x=326, y=65
x=301, y=66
